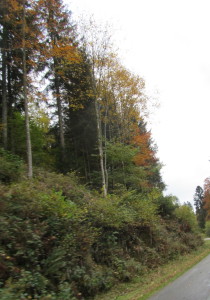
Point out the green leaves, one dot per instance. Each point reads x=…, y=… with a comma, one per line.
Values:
x=11, y=166
x=60, y=241
x=186, y=218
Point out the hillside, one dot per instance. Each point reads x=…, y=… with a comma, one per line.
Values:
x=61, y=241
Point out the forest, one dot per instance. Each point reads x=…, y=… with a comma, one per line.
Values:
x=82, y=206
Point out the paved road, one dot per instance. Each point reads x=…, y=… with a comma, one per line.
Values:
x=192, y=285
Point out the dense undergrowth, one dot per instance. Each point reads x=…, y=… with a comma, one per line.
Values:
x=58, y=240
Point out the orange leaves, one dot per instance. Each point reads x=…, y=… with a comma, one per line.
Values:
x=146, y=155
x=67, y=53
x=142, y=158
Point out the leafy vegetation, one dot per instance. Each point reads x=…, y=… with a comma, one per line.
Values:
x=143, y=287
x=58, y=239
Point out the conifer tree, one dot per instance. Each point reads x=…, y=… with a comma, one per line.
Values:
x=200, y=207
x=19, y=52
x=60, y=52
x=25, y=96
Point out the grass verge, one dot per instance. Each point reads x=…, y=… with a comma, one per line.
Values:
x=141, y=288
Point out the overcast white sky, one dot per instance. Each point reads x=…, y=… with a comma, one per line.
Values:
x=167, y=42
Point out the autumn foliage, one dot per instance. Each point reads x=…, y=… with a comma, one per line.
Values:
x=145, y=155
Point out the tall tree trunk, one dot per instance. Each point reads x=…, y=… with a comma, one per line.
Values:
x=99, y=137
x=100, y=149
x=85, y=165
x=9, y=88
x=105, y=146
x=4, y=92
x=60, y=118
x=27, y=125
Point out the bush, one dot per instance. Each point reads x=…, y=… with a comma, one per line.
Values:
x=187, y=218
x=207, y=229
x=59, y=241
x=11, y=166
x=167, y=205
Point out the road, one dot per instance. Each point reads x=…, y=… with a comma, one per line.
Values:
x=192, y=285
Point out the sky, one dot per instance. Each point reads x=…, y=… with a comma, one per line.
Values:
x=167, y=42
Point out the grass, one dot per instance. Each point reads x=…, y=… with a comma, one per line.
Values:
x=141, y=288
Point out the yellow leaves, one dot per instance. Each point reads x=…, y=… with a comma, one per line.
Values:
x=120, y=94
x=14, y=5
x=76, y=106
x=90, y=94
x=67, y=53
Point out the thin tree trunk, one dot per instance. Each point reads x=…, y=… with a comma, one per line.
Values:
x=61, y=130
x=27, y=125
x=88, y=164
x=99, y=136
x=60, y=117
x=11, y=144
x=4, y=92
x=85, y=165
x=100, y=148
x=9, y=88
x=75, y=152
x=105, y=155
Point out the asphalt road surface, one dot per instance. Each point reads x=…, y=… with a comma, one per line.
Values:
x=192, y=285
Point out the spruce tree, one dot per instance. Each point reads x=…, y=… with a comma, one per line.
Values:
x=199, y=207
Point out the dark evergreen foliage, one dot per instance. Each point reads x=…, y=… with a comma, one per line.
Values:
x=200, y=207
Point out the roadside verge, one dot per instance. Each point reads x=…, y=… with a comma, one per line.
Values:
x=141, y=288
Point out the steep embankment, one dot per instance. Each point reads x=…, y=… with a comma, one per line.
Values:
x=144, y=286
x=60, y=241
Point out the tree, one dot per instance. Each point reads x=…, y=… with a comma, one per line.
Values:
x=146, y=157
x=3, y=10
x=121, y=170
x=80, y=120
x=167, y=205
x=22, y=36
x=206, y=198
x=188, y=203
x=11, y=45
x=97, y=42
x=60, y=52
x=125, y=101
x=25, y=96
x=200, y=207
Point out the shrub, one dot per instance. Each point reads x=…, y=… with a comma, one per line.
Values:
x=11, y=166
x=186, y=218
x=207, y=229
x=167, y=205
x=59, y=241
